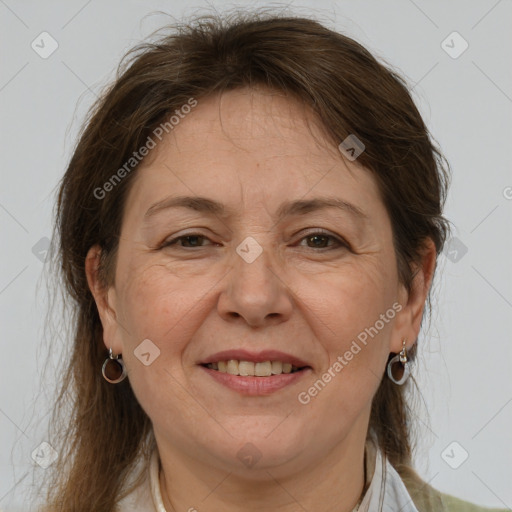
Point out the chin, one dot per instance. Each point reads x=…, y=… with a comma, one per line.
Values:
x=262, y=443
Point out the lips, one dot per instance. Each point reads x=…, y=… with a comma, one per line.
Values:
x=255, y=357
x=257, y=386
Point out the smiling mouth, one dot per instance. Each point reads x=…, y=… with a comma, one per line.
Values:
x=251, y=369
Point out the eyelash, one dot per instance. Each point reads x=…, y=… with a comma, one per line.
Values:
x=339, y=241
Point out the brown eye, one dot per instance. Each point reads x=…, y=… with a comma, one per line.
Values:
x=320, y=240
x=189, y=241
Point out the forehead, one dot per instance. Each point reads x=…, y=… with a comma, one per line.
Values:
x=253, y=120
x=249, y=145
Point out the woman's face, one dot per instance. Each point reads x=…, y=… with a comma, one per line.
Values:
x=256, y=263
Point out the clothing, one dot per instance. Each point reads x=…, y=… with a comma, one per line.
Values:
x=385, y=491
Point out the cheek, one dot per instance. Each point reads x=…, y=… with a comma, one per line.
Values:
x=355, y=354
x=353, y=314
x=354, y=298
x=148, y=307
x=160, y=304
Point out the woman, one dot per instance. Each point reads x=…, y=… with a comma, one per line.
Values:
x=249, y=228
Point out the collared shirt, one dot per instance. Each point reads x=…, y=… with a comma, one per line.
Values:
x=385, y=490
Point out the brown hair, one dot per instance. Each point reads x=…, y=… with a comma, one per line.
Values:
x=105, y=430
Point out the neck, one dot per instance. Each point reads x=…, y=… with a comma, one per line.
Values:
x=333, y=482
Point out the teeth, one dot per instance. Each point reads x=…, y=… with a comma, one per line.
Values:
x=248, y=368
x=277, y=367
x=232, y=368
x=263, y=369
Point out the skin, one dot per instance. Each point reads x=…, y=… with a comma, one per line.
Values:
x=251, y=150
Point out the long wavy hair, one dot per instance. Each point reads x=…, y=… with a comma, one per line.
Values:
x=100, y=430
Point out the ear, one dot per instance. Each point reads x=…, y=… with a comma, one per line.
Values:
x=408, y=320
x=105, y=300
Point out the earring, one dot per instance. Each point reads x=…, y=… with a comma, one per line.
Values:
x=398, y=367
x=113, y=369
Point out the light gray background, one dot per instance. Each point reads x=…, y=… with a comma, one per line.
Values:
x=466, y=357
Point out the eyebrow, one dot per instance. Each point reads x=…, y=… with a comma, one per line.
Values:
x=287, y=209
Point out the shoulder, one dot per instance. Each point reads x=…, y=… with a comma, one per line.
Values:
x=453, y=504
x=428, y=499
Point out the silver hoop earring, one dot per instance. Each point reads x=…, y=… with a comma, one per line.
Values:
x=113, y=369
x=398, y=367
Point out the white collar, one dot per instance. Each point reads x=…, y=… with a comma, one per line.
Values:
x=386, y=493
x=155, y=482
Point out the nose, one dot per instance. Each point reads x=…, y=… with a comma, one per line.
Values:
x=256, y=292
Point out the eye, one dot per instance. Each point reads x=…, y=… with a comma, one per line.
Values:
x=193, y=239
x=318, y=238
